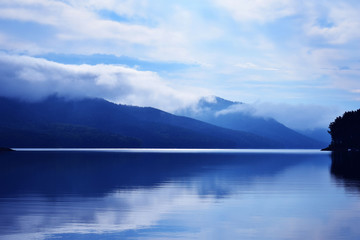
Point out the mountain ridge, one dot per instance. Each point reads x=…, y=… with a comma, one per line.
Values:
x=235, y=115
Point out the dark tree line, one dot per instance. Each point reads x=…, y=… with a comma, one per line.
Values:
x=345, y=132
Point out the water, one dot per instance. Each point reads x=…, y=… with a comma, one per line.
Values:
x=178, y=194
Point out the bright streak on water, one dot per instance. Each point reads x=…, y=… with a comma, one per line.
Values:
x=175, y=150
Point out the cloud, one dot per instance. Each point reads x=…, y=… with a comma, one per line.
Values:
x=336, y=22
x=300, y=116
x=236, y=108
x=79, y=27
x=77, y=23
x=252, y=66
x=34, y=78
x=258, y=11
x=128, y=8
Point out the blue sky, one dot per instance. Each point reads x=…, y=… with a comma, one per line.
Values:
x=277, y=54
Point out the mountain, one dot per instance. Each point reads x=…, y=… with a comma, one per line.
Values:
x=228, y=114
x=320, y=134
x=60, y=122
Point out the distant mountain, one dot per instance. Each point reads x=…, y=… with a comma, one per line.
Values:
x=58, y=122
x=319, y=134
x=228, y=114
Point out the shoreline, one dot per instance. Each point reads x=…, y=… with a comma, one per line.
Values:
x=5, y=149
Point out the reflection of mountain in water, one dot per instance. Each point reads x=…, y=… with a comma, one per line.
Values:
x=86, y=195
x=345, y=167
x=98, y=173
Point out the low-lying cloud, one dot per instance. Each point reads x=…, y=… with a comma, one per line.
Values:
x=33, y=79
x=301, y=116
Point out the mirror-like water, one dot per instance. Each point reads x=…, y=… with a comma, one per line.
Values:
x=178, y=195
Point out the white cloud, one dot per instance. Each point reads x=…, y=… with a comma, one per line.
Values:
x=259, y=10
x=128, y=8
x=77, y=23
x=34, y=78
x=15, y=45
x=339, y=25
x=298, y=116
x=148, y=31
x=244, y=108
x=79, y=28
x=249, y=65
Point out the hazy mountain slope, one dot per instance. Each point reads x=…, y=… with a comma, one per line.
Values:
x=320, y=134
x=228, y=114
x=39, y=124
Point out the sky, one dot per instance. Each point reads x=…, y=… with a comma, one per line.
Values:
x=289, y=59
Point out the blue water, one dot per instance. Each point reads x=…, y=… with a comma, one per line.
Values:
x=178, y=194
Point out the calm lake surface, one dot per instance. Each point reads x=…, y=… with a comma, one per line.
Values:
x=175, y=194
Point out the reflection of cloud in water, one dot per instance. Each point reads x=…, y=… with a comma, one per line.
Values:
x=183, y=196
x=118, y=211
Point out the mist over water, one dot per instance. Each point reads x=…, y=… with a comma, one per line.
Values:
x=177, y=195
